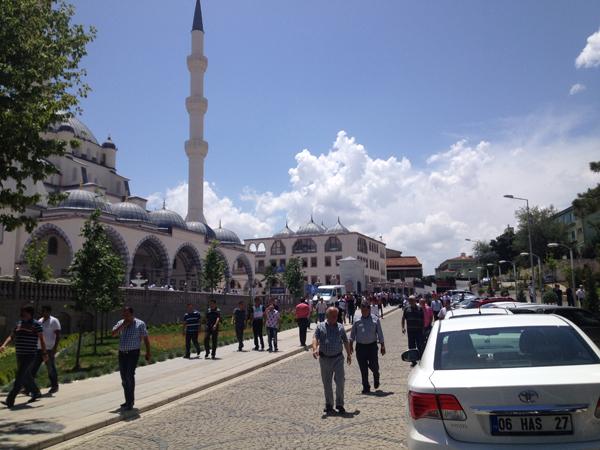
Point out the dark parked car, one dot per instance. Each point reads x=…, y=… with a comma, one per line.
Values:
x=588, y=322
x=476, y=303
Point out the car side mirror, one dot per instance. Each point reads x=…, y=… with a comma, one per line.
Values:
x=411, y=355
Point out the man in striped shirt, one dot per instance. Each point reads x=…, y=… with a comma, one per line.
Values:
x=25, y=336
x=191, y=328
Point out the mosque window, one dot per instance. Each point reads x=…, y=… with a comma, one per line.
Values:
x=304, y=246
x=277, y=248
x=362, y=245
x=1, y=234
x=333, y=244
x=103, y=159
x=52, y=245
x=84, y=176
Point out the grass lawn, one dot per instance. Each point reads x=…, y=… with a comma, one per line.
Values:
x=166, y=342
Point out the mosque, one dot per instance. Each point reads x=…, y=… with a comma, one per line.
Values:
x=161, y=246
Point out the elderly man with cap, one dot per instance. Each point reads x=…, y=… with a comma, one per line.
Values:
x=328, y=342
x=367, y=333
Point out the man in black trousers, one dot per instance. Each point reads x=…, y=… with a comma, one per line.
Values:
x=367, y=332
x=213, y=318
x=258, y=313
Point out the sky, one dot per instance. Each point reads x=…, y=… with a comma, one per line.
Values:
x=408, y=120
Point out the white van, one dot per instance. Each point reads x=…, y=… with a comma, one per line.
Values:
x=330, y=293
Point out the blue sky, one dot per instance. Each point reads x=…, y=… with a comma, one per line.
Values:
x=407, y=79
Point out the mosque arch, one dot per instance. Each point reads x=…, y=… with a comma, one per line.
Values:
x=333, y=244
x=304, y=245
x=118, y=244
x=186, y=267
x=60, y=248
x=150, y=259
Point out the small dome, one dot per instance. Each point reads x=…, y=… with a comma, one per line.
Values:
x=80, y=199
x=77, y=127
x=338, y=228
x=310, y=228
x=202, y=228
x=109, y=144
x=225, y=236
x=285, y=232
x=165, y=218
x=130, y=211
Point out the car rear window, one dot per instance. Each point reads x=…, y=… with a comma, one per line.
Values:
x=494, y=348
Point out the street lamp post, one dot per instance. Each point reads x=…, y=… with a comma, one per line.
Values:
x=540, y=269
x=556, y=245
x=530, y=244
x=479, y=274
x=514, y=270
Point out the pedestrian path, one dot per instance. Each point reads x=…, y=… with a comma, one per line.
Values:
x=87, y=405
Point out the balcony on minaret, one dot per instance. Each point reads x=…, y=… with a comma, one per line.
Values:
x=197, y=62
x=196, y=104
x=196, y=147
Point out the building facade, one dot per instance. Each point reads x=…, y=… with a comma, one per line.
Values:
x=320, y=249
x=462, y=266
x=583, y=232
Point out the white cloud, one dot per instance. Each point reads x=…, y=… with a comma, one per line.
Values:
x=577, y=88
x=590, y=55
x=426, y=211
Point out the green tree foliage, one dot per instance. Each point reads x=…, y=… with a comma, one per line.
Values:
x=40, y=84
x=213, y=269
x=270, y=277
x=544, y=229
x=293, y=277
x=503, y=245
x=35, y=258
x=549, y=296
x=591, y=302
x=97, y=272
x=589, y=201
x=484, y=254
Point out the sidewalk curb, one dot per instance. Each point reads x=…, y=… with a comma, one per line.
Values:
x=157, y=404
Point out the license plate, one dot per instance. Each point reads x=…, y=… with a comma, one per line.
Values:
x=531, y=425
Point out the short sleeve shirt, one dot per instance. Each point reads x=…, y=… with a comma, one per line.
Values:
x=331, y=338
x=50, y=327
x=321, y=307
x=26, y=337
x=239, y=316
x=192, y=322
x=273, y=318
x=132, y=335
x=414, y=318
x=211, y=317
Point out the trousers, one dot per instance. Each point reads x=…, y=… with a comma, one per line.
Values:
x=366, y=355
x=23, y=378
x=239, y=334
x=257, y=331
x=50, y=366
x=127, y=364
x=302, y=327
x=210, y=337
x=415, y=339
x=333, y=368
x=272, y=333
x=191, y=338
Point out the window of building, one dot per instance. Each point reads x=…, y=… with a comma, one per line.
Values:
x=333, y=244
x=278, y=248
x=313, y=261
x=261, y=249
x=327, y=279
x=328, y=261
x=304, y=262
x=362, y=245
x=260, y=266
x=273, y=262
x=84, y=175
x=304, y=246
x=52, y=245
x=252, y=248
x=337, y=260
x=314, y=279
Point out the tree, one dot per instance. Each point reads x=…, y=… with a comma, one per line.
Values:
x=213, y=269
x=97, y=273
x=40, y=85
x=293, y=277
x=484, y=253
x=591, y=301
x=270, y=277
x=589, y=201
x=544, y=229
x=503, y=245
x=35, y=257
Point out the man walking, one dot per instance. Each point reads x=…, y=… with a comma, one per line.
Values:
x=342, y=307
x=559, y=294
x=239, y=322
x=367, y=332
x=321, y=308
x=570, y=297
x=272, y=321
x=131, y=332
x=302, y=317
x=351, y=304
x=25, y=336
x=51, y=327
x=213, y=319
x=258, y=313
x=436, y=306
x=427, y=319
x=328, y=342
x=412, y=323
x=580, y=295
x=191, y=329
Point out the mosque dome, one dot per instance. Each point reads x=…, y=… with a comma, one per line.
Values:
x=109, y=144
x=202, y=228
x=77, y=127
x=285, y=232
x=165, y=218
x=80, y=199
x=130, y=211
x=310, y=228
x=225, y=236
x=338, y=228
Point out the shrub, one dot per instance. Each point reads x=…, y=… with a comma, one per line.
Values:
x=549, y=297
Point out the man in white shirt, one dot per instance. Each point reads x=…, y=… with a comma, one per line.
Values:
x=51, y=327
x=436, y=306
x=580, y=295
x=444, y=310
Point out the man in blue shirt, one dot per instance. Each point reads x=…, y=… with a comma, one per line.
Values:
x=328, y=342
x=131, y=332
x=191, y=328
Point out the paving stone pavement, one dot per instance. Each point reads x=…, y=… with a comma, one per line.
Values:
x=277, y=407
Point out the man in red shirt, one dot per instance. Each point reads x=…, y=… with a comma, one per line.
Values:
x=302, y=317
x=427, y=317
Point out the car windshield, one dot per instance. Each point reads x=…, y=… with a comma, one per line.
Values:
x=325, y=292
x=493, y=348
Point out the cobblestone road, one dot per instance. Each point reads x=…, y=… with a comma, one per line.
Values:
x=278, y=407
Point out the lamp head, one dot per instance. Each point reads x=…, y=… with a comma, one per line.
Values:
x=553, y=245
x=503, y=261
x=509, y=196
x=523, y=254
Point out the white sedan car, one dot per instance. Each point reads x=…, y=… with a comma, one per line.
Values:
x=505, y=382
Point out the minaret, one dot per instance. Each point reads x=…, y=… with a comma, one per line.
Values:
x=196, y=148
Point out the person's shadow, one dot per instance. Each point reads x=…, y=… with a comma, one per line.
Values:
x=346, y=415
x=380, y=393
